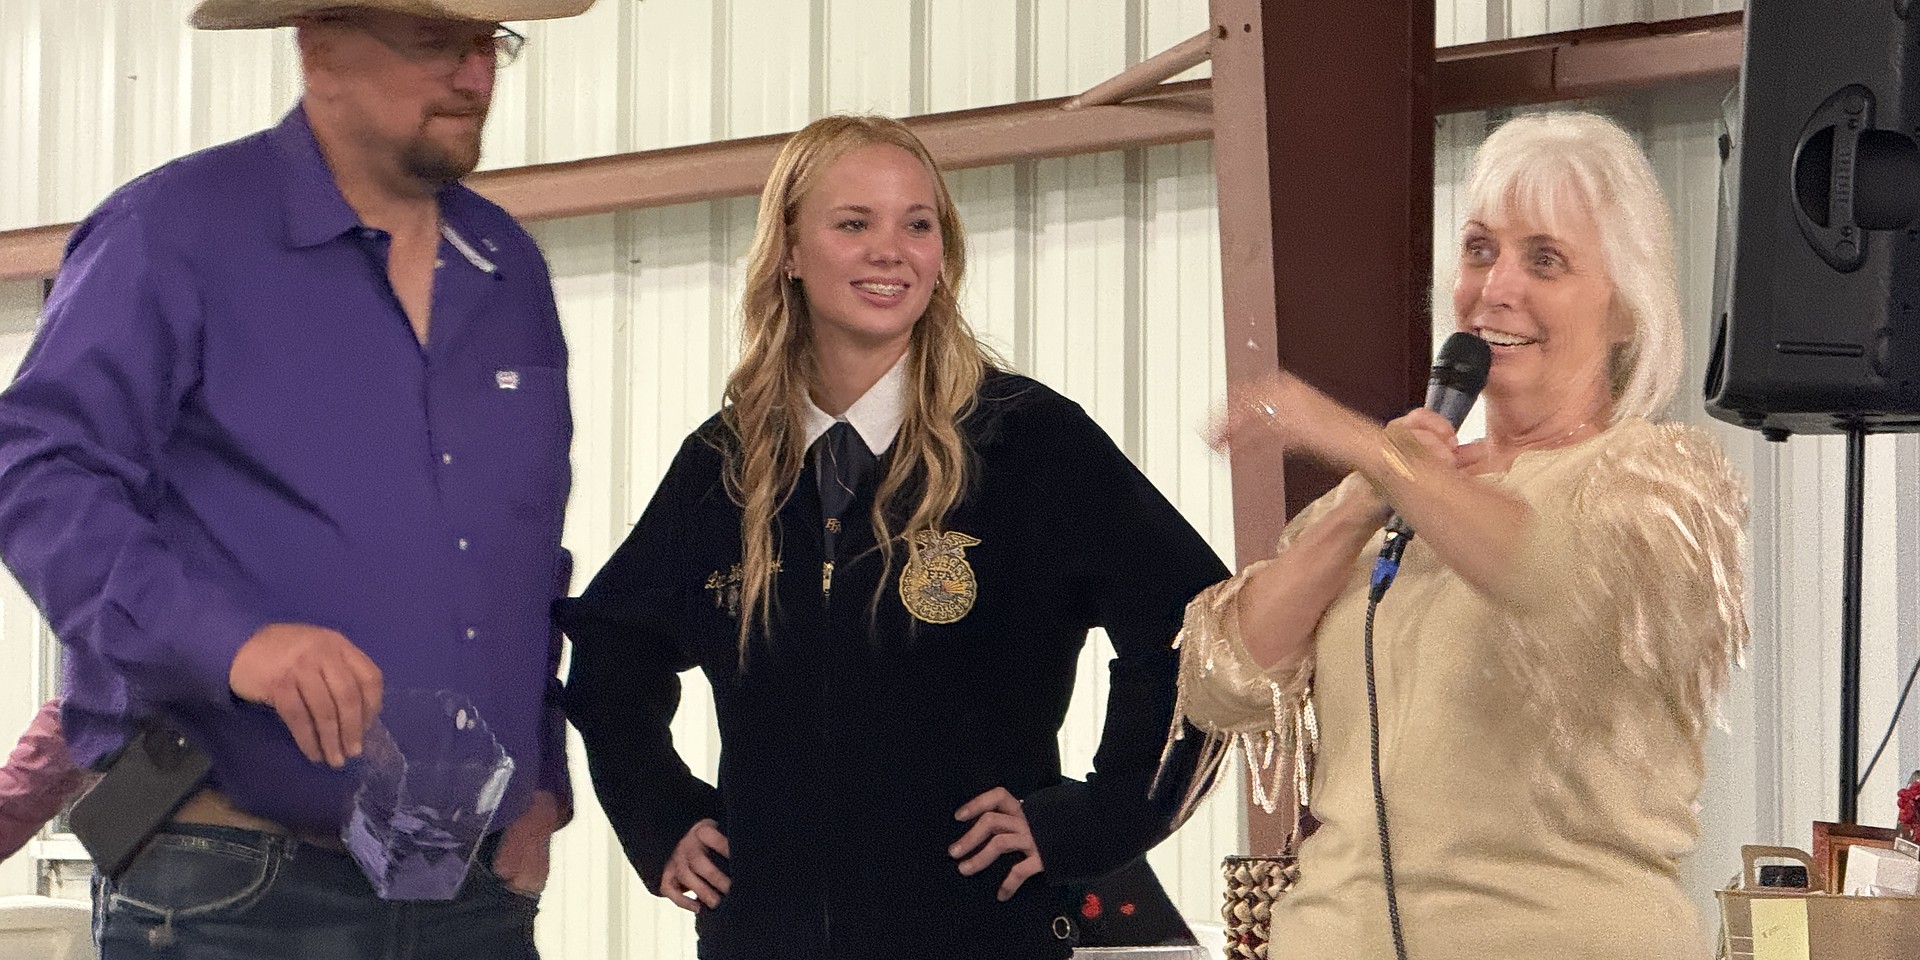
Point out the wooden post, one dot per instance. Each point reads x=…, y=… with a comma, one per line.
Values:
x=1323, y=131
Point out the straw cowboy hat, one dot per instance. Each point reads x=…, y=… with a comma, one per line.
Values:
x=249, y=14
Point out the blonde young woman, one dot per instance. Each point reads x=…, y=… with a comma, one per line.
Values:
x=1546, y=662
x=885, y=555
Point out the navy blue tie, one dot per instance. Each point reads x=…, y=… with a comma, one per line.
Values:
x=843, y=463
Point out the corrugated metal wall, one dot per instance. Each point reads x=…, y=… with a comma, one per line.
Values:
x=1474, y=21
x=1097, y=274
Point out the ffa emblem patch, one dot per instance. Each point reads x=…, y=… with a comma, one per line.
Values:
x=725, y=588
x=938, y=585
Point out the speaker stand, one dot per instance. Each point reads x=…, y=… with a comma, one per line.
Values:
x=1850, y=625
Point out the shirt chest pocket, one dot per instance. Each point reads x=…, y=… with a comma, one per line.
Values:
x=516, y=435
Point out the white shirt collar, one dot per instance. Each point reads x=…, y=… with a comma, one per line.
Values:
x=875, y=416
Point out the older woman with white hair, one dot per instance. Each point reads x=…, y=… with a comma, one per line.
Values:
x=1545, y=668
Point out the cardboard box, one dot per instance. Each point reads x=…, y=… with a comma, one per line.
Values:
x=1762, y=923
x=1872, y=871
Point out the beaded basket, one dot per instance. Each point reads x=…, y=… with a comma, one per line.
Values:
x=1253, y=884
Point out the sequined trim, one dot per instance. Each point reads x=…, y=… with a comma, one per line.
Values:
x=1642, y=572
x=1237, y=706
x=1638, y=573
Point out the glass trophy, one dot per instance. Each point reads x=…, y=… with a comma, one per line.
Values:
x=431, y=777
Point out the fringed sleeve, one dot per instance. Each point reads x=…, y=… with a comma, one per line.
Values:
x=1266, y=714
x=1633, y=584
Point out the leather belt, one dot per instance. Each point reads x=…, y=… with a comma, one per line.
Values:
x=210, y=807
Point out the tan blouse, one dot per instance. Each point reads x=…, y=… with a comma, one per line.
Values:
x=1540, y=743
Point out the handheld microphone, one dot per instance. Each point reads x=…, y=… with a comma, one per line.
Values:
x=1458, y=374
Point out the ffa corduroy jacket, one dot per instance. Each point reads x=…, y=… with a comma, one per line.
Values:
x=854, y=732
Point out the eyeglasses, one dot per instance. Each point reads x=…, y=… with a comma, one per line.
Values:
x=507, y=44
x=448, y=45
x=451, y=48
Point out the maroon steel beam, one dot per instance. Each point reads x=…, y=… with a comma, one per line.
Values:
x=1348, y=192
x=1561, y=66
x=1600, y=61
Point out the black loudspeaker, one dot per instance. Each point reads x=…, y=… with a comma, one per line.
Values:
x=1817, y=292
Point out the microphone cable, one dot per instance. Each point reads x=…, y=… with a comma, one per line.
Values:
x=1892, y=725
x=1384, y=570
x=1459, y=373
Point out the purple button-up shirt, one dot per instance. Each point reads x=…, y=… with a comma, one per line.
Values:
x=226, y=421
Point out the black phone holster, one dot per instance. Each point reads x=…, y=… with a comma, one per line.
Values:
x=141, y=787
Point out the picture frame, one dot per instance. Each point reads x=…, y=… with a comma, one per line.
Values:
x=1830, y=843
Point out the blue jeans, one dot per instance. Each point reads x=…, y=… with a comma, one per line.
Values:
x=222, y=893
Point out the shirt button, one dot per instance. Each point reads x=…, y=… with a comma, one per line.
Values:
x=369, y=232
x=463, y=543
x=446, y=458
x=471, y=633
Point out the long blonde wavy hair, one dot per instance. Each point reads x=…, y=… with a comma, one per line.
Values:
x=768, y=389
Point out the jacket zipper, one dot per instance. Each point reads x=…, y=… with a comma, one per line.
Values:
x=826, y=706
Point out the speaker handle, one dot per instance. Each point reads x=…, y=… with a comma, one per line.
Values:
x=1839, y=121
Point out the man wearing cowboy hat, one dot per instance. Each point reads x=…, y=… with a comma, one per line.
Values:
x=294, y=436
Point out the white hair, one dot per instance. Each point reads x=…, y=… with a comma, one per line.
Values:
x=1546, y=167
